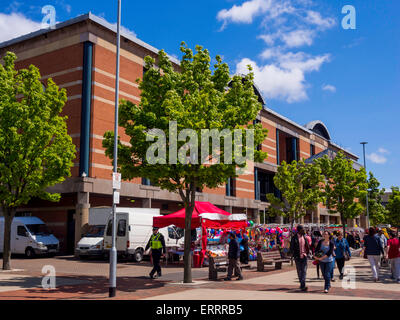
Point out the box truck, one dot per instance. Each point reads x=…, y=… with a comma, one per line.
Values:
x=134, y=229
x=30, y=236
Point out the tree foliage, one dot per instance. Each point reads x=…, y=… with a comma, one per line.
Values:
x=393, y=207
x=343, y=186
x=299, y=185
x=196, y=98
x=376, y=210
x=35, y=150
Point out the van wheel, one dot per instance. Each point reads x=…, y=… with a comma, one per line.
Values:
x=29, y=253
x=138, y=255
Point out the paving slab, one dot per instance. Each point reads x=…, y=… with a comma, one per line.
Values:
x=214, y=294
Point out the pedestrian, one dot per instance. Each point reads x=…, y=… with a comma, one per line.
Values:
x=350, y=239
x=300, y=249
x=324, y=255
x=373, y=251
x=393, y=254
x=342, y=251
x=333, y=239
x=383, y=239
x=157, y=245
x=244, y=250
x=233, y=258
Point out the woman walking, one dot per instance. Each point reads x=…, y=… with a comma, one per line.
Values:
x=324, y=255
x=373, y=250
x=342, y=252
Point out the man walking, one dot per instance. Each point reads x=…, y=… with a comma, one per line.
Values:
x=157, y=245
x=233, y=257
x=300, y=249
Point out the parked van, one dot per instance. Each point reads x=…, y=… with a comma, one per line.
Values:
x=134, y=229
x=91, y=243
x=30, y=236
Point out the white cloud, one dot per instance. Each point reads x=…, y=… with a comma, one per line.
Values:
x=16, y=24
x=376, y=158
x=244, y=13
x=315, y=18
x=276, y=82
x=302, y=61
x=298, y=38
x=383, y=150
x=286, y=25
x=284, y=76
x=329, y=87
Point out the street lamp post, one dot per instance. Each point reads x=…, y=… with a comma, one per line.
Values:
x=365, y=166
x=113, y=252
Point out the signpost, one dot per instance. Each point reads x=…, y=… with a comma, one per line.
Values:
x=116, y=175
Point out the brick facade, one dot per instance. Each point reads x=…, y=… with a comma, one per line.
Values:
x=59, y=54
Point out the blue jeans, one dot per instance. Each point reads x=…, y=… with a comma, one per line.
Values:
x=326, y=268
x=301, y=266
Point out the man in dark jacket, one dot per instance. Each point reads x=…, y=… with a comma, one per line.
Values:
x=233, y=258
x=300, y=249
x=157, y=245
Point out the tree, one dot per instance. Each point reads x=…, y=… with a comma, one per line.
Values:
x=35, y=150
x=343, y=186
x=393, y=207
x=177, y=108
x=299, y=184
x=377, y=211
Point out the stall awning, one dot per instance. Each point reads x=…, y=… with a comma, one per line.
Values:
x=214, y=216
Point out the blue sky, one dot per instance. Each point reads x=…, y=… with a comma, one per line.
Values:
x=307, y=66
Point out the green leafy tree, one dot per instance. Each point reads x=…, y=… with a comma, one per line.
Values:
x=343, y=186
x=35, y=150
x=194, y=98
x=376, y=210
x=393, y=207
x=299, y=184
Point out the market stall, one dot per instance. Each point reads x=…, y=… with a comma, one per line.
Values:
x=205, y=216
x=264, y=238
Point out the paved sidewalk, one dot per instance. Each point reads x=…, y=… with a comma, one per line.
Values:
x=83, y=283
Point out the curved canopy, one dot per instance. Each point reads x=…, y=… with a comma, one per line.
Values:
x=319, y=128
x=212, y=215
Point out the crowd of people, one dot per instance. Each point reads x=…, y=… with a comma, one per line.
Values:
x=333, y=249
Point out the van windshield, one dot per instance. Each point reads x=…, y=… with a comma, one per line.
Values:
x=38, y=229
x=95, y=232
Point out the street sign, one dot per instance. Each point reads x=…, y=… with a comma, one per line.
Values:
x=116, y=197
x=116, y=180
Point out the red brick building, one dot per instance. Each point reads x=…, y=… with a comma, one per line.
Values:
x=79, y=55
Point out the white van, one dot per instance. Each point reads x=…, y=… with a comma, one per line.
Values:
x=134, y=229
x=91, y=243
x=29, y=236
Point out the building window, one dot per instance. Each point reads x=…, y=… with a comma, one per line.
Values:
x=147, y=182
x=259, y=147
x=231, y=187
x=312, y=150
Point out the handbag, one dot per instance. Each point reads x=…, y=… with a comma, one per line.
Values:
x=346, y=256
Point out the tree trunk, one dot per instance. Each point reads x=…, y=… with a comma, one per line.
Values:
x=344, y=226
x=189, y=207
x=9, y=214
x=291, y=235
